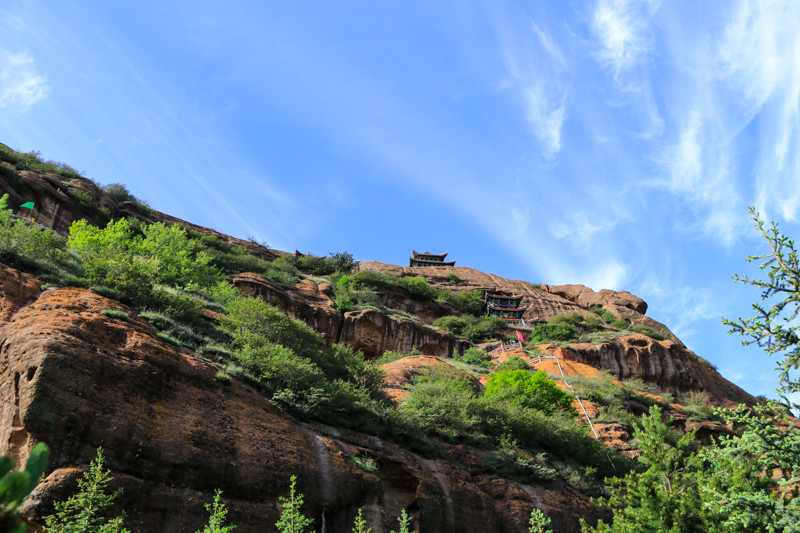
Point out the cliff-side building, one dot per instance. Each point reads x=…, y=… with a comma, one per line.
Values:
x=429, y=259
x=504, y=306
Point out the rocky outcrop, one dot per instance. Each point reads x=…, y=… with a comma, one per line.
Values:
x=586, y=298
x=369, y=330
x=667, y=364
x=373, y=332
x=308, y=302
x=58, y=205
x=542, y=302
x=172, y=434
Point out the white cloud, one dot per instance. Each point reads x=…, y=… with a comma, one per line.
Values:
x=546, y=113
x=20, y=85
x=538, y=75
x=622, y=33
x=685, y=307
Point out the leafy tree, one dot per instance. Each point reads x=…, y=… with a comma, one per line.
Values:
x=343, y=261
x=774, y=326
x=16, y=486
x=292, y=519
x=534, y=391
x=181, y=261
x=25, y=241
x=111, y=256
x=360, y=525
x=81, y=512
x=218, y=511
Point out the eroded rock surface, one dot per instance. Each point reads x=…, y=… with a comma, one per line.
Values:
x=172, y=434
x=373, y=332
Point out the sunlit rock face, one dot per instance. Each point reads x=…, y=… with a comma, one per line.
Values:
x=172, y=434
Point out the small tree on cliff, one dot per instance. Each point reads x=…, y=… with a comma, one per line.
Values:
x=218, y=511
x=292, y=519
x=80, y=513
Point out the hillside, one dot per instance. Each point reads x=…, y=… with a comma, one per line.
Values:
x=150, y=367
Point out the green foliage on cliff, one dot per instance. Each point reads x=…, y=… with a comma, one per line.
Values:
x=34, y=161
x=474, y=329
x=295, y=366
x=16, y=486
x=532, y=390
x=292, y=519
x=28, y=245
x=84, y=511
x=339, y=262
x=119, y=258
x=219, y=513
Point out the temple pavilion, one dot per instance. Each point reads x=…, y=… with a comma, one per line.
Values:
x=429, y=259
x=505, y=306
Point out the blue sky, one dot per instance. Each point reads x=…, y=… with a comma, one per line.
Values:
x=611, y=143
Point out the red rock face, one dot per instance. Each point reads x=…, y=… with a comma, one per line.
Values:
x=307, y=302
x=77, y=379
x=668, y=364
x=373, y=333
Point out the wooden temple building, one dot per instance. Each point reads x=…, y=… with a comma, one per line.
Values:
x=503, y=305
x=429, y=259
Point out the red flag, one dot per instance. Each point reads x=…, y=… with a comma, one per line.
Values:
x=519, y=336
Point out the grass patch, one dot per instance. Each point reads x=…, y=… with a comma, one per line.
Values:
x=115, y=313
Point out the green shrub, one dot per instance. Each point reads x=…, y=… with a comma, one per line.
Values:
x=468, y=302
x=453, y=279
x=474, y=356
x=24, y=242
x=115, y=313
x=120, y=193
x=218, y=513
x=564, y=328
x=223, y=377
x=418, y=287
x=647, y=330
x=513, y=363
x=99, y=214
x=33, y=161
x=235, y=260
x=474, y=329
x=292, y=519
x=388, y=357
x=621, y=324
x=605, y=314
x=440, y=402
x=534, y=391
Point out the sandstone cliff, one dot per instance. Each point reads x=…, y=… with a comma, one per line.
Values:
x=77, y=379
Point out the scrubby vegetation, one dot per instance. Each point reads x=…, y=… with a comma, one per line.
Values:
x=360, y=289
x=34, y=161
x=474, y=329
x=577, y=327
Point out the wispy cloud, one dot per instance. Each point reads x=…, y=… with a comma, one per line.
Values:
x=538, y=74
x=21, y=86
x=685, y=306
x=545, y=113
x=621, y=29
